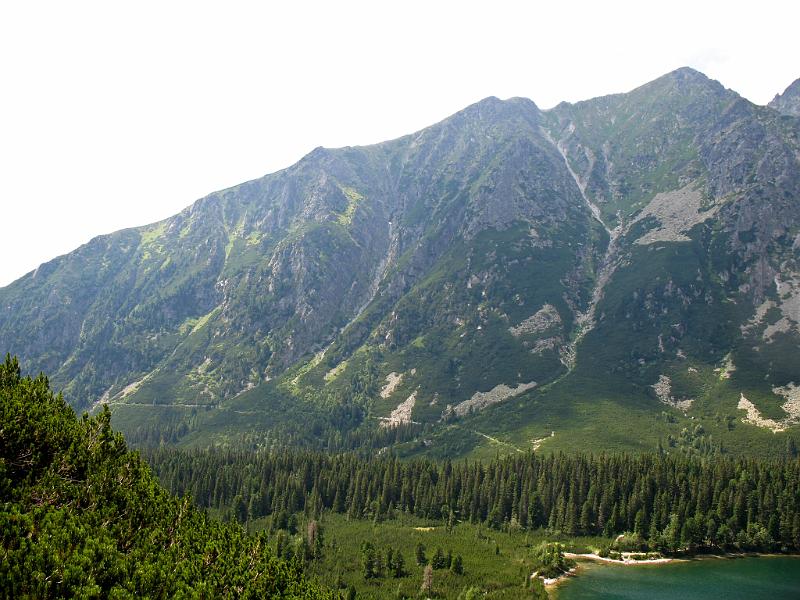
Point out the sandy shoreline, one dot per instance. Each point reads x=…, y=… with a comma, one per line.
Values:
x=553, y=581
x=625, y=560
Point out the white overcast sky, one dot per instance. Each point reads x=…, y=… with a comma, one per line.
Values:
x=117, y=114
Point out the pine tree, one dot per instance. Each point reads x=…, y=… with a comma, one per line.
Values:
x=368, y=560
x=280, y=542
x=399, y=565
x=438, y=560
x=585, y=522
x=791, y=448
x=458, y=565
x=420, y=555
x=389, y=562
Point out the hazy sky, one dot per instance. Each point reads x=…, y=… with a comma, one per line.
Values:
x=118, y=114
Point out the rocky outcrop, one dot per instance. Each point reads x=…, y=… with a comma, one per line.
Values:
x=542, y=320
x=788, y=103
x=675, y=214
x=663, y=390
x=392, y=381
x=402, y=414
x=791, y=407
x=482, y=400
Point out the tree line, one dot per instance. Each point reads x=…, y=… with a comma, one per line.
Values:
x=668, y=502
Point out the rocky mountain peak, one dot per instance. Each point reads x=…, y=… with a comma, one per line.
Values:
x=788, y=103
x=683, y=81
x=687, y=74
x=493, y=110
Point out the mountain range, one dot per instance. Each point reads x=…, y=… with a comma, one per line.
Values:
x=618, y=273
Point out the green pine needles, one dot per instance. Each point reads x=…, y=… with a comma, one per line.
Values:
x=81, y=516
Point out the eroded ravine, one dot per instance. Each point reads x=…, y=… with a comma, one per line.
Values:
x=585, y=320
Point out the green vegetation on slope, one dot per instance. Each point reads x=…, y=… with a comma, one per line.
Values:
x=81, y=516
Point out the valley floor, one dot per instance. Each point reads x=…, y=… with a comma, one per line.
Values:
x=499, y=564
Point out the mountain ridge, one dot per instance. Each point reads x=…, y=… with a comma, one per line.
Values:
x=491, y=253
x=788, y=103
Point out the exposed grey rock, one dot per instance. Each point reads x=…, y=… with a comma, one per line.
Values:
x=788, y=103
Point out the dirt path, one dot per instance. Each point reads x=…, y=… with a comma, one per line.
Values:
x=496, y=441
x=539, y=441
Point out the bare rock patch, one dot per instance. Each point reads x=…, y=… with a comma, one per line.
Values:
x=481, y=400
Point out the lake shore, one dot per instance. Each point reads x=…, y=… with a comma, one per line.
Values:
x=741, y=576
x=625, y=560
x=554, y=581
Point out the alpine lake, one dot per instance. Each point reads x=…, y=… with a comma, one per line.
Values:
x=731, y=578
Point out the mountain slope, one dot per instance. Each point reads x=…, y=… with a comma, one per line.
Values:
x=248, y=280
x=709, y=181
x=500, y=275
x=84, y=517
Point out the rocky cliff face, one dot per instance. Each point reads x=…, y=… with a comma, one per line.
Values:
x=606, y=247
x=788, y=103
x=245, y=282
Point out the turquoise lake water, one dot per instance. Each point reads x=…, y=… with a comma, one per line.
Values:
x=751, y=578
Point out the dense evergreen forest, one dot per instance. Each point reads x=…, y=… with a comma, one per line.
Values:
x=81, y=516
x=670, y=503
